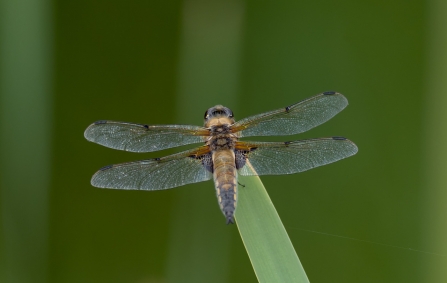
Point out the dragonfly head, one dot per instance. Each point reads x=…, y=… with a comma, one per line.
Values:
x=219, y=112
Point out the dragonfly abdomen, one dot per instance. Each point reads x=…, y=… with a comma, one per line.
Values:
x=225, y=179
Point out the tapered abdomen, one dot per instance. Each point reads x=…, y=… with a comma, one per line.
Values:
x=225, y=179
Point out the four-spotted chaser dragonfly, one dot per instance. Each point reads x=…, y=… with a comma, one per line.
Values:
x=222, y=156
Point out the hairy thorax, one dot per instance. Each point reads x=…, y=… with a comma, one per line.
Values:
x=221, y=138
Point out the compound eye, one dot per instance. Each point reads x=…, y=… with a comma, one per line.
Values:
x=206, y=115
x=231, y=114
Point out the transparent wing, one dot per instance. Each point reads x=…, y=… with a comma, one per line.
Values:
x=143, y=138
x=294, y=119
x=156, y=174
x=277, y=158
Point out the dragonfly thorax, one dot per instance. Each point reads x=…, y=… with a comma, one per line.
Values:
x=221, y=137
x=221, y=143
x=223, y=129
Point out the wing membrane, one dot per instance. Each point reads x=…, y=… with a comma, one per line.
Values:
x=142, y=138
x=294, y=119
x=277, y=158
x=155, y=174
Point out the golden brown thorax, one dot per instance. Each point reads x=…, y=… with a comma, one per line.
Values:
x=219, y=120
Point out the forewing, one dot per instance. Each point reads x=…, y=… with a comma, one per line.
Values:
x=294, y=119
x=143, y=138
x=277, y=158
x=156, y=174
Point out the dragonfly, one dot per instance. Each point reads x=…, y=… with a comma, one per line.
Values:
x=222, y=155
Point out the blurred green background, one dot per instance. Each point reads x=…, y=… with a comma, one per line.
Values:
x=379, y=216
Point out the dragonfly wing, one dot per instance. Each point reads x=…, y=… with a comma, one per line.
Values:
x=143, y=138
x=157, y=174
x=293, y=119
x=277, y=158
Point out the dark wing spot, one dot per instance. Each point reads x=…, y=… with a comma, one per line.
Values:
x=157, y=159
x=145, y=126
x=339, y=138
x=240, y=158
x=287, y=108
x=100, y=122
x=287, y=143
x=329, y=92
x=106, y=167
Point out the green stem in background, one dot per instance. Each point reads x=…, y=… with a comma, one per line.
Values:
x=270, y=250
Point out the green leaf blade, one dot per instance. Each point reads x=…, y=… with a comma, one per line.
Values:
x=270, y=250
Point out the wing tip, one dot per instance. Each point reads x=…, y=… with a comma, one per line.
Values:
x=336, y=93
x=89, y=128
x=94, y=181
x=355, y=149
